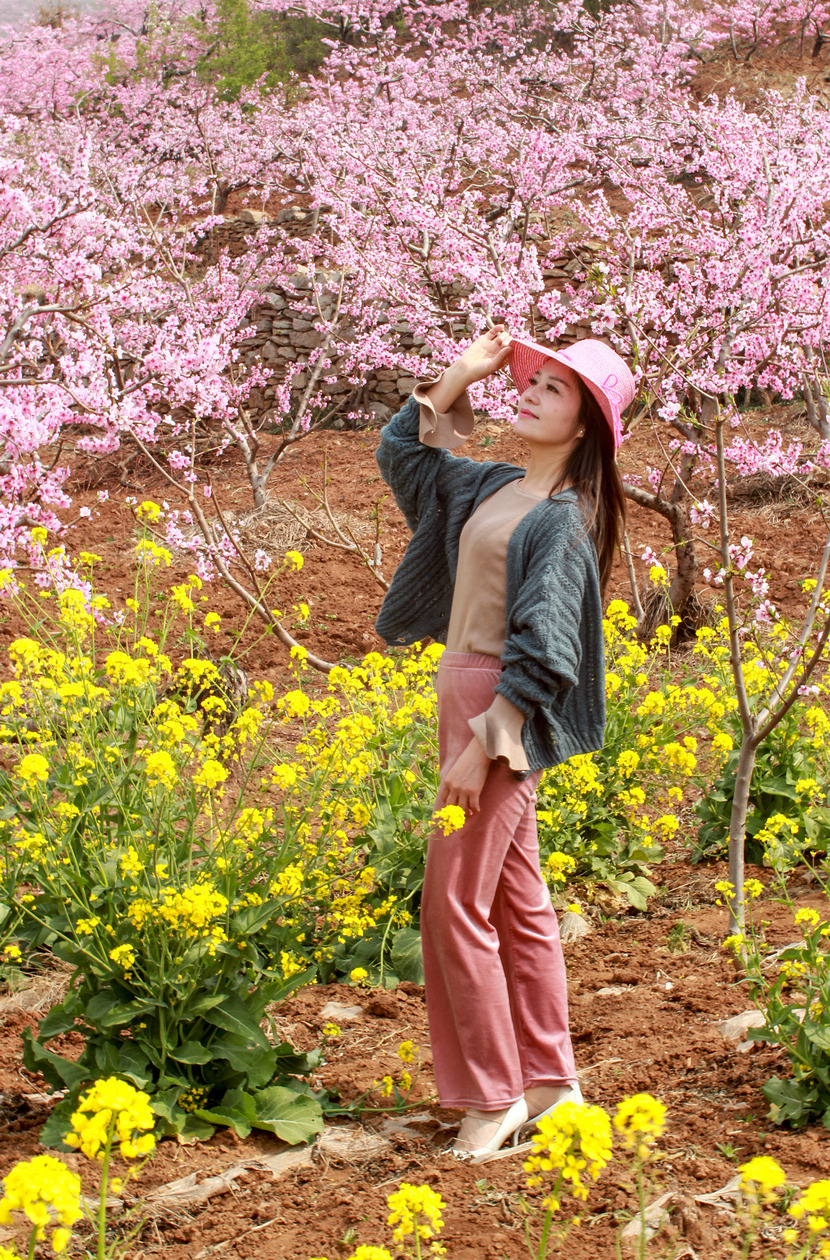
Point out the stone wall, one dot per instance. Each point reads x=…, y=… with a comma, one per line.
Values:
x=281, y=328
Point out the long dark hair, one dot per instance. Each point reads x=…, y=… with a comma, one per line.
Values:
x=592, y=470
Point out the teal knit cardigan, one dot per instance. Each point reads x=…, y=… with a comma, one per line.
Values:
x=553, y=663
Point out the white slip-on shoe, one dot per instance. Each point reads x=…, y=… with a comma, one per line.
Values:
x=512, y=1124
x=572, y=1094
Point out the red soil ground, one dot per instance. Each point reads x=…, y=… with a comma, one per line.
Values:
x=656, y=1031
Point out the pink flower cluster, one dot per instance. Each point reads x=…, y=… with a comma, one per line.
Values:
x=444, y=164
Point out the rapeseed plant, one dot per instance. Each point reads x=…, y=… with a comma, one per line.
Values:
x=416, y=1214
x=793, y=994
x=47, y=1195
x=111, y=1113
x=574, y=1140
x=640, y=1121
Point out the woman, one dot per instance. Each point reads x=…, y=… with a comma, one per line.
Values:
x=506, y=565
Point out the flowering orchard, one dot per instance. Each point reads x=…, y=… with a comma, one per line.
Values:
x=557, y=171
x=575, y=138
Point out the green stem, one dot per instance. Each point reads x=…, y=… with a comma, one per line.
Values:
x=543, y=1241
x=641, y=1199
x=32, y=1242
x=102, y=1200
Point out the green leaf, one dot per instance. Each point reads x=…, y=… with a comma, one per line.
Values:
x=406, y=955
x=135, y=1065
x=258, y=1065
x=192, y=1052
x=105, y=1011
x=166, y=1106
x=205, y=1002
x=57, y=1022
x=236, y=1110
x=196, y=1128
x=252, y=918
x=790, y=1102
x=55, y=1068
x=292, y=1117
x=234, y=1016
x=817, y=1034
x=59, y=1123
x=105, y=1055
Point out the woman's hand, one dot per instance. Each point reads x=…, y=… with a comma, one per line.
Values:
x=463, y=783
x=486, y=355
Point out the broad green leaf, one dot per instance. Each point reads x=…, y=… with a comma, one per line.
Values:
x=135, y=1065
x=56, y=1069
x=258, y=1065
x=407, y=957
x=56, y=1023
x=166, y=1106
x=817, y=1034
x=191, y=1052
x=204, y=1002
x=233, y=1015
x=59, y=1123
x=236, y=1110
x=790, y=1102
x=196, y=1128
x=105, y=1011
x=252, y=918
x=292, y=1117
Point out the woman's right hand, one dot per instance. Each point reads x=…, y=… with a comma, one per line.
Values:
x=486, y=355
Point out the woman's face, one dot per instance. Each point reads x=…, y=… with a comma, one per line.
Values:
x=549, y=408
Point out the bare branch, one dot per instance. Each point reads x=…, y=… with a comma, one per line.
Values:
x=632, y=578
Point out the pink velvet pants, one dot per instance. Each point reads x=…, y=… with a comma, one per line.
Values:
x=495, y=975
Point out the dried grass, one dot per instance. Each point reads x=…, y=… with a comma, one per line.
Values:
x=39, y=992
x=276, y=528
x=762, y=488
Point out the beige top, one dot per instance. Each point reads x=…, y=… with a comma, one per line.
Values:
x=477, y=618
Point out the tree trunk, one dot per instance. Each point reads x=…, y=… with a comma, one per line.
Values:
x=737, y=830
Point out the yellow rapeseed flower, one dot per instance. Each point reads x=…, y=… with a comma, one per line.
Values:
x=123, y=956
x=415, y=1210
x=211, y=775
x=151, y=554
x=640, y=1120
x=33, y=768
x=573, y=1139
x=814, y=1203
x=47, y=1193
x=761, y=1177
x=161, y=769
x=117, y=1103
x=449, y=819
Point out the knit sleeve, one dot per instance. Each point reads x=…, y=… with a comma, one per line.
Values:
x=406, y=465
x=543, y=645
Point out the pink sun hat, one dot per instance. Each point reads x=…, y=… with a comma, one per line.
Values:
x=605, y=373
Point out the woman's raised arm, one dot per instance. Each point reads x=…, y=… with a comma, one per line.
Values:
x=485, y=356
